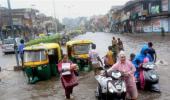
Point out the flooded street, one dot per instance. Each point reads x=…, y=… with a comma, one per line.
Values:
x=13, y=85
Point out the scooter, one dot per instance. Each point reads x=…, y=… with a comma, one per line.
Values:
x=150, y=77
x=111, y=86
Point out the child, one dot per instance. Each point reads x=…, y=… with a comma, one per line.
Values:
x=132, y=56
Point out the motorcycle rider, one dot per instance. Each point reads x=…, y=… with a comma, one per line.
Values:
x=128, y=69
x=139, y=59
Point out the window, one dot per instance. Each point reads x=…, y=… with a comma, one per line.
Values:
x=155, y=9
x=82, y=49
x=34, y=56
x=8, y=41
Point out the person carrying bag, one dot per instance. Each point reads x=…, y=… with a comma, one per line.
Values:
x=67, y=72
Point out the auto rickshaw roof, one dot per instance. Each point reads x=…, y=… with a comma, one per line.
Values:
x=73, y=42
x=42, y=46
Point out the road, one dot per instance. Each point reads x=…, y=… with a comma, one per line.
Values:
x=13, y=85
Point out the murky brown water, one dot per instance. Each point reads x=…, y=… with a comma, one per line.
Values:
x=13, y=85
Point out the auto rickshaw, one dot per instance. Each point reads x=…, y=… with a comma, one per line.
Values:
x=78, y=52
x=40, y=61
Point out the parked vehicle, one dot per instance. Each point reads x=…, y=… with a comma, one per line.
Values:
x=150, y=77
x=8, y=44
x=111, y=86
x=78, y=52
x=40, y=61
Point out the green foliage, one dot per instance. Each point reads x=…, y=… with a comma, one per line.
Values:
x=53, y=38
x=45, y=39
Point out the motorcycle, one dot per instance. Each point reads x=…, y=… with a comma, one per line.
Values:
x=150, y=77
x=111, y=86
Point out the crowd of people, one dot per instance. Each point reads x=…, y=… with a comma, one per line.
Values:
x=111, y=56
x=115, y=59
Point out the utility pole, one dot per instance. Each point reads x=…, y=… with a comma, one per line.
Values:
x=54, y=8
x=1, y=25
x=12, y=30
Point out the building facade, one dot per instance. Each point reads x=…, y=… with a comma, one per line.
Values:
x=143, y=16
x=27, y=22
x=23, y=22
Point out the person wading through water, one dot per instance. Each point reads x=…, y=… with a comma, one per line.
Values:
x=152, y=52
x=120, y=45
x=67, y=72
x=21, y=51
x=109, y=58
x=95, y=59
x=114, y=48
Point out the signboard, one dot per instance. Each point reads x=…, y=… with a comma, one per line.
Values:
x=147, y=28
x=27, y=16
x=164, y=5
x=138, y=8
x=156, y=29
x=17, y=21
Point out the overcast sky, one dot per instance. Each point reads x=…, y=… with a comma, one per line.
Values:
x=66, y=8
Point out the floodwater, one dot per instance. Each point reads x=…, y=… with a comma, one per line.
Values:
x=14, y=86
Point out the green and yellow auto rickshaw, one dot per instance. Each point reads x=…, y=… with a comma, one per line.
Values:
x=40, y=61
x=78, y=52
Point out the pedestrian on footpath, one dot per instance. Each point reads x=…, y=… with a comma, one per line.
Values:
x=95, y=59
x=21, y=51
x=120, y=45
x=162, y=32
x=67, y=72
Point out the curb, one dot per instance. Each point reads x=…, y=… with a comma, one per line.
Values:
x=18, y=68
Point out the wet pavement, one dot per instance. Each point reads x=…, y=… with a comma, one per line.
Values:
x=13, y=85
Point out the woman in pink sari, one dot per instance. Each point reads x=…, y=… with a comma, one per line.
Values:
x=125, y=66
x=68, y=78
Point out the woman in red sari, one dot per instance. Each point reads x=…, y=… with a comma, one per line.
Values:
x=68, y=78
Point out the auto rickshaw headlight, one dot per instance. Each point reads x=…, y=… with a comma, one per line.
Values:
x=86, y=60
x=78, y=60
x=39, y=68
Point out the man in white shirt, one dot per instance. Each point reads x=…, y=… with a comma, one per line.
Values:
x=95, y=59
